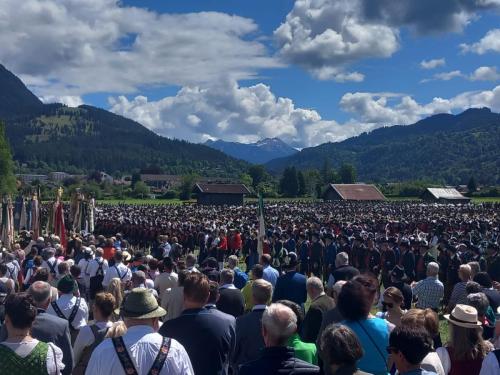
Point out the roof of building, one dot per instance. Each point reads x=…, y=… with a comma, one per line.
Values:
x=222, y=188
x=160, y=177
x=446, y=193
x=358, y=192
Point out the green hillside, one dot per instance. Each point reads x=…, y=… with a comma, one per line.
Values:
x=55, y=137
x=447, y=148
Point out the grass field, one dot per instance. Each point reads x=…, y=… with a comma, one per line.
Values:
x=270, y=200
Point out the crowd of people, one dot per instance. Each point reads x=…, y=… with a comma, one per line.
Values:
x=334, y=288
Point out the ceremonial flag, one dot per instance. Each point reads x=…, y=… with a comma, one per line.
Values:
x=7, y=228
x=262, y=226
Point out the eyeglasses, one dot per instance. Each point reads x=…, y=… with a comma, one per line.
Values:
x=391, y=349
x=389, y=305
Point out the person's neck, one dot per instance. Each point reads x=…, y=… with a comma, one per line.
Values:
x=189, y=305
x=407, y=368
x=18, y=335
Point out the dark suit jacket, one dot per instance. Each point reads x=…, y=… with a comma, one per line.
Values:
x=314, y=317
x=278, y=360
x=249, y=340
x=231, y=302
x=345, y=272
x=291, y=286
x=50, y=328
x=207, y=337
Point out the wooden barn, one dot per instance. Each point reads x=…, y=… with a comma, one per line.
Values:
x=352, y=192
x=444, y=195
x=221, y=194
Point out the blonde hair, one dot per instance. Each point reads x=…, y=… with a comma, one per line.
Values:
x=422, y=318
x=118, y=329
x=115, y=288
x=464, y=272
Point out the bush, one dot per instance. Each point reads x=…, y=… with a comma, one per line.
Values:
x=170, y=194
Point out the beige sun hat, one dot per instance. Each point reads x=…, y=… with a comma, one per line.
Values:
x=463, y=316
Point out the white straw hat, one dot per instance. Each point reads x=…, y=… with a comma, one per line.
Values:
x=463, y=316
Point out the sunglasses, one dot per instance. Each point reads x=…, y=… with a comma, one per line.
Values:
x=389, y=305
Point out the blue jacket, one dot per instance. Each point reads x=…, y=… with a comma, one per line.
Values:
x=291, y=286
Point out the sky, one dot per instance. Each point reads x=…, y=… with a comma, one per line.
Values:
x=306, y=71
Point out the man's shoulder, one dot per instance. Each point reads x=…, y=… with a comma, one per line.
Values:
x=48, y=321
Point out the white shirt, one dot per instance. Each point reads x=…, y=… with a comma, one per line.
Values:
x=124, y=276
x=490, y=365
x=53, y=261
x=84, y=266
x=86, y=338
x=23, y=349
x=166, y=280
x=65, y=304
x=172, y=300
x=143, y=345
x=94, y=266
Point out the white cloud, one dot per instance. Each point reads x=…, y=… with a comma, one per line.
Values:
x=70, y=101
x=489, y=43
x=247, y=114
x=74, y=47
x=485, y=73
x=432, y=64
x=381, y=109
x=325, y=36
x=233, y=113
x=444, y=76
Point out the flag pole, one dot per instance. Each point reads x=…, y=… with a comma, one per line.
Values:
x=262, y=226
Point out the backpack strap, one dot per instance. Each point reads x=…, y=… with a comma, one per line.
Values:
x=52, y=267
x=58, y=310
x=119, y=275
x=161, y=357
x=74, y=310
x=123, y=356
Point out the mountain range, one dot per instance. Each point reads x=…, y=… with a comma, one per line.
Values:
x=49, y=137
x=444, y=148
x=257, y=153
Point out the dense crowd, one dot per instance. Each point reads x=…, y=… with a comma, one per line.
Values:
x=335, y=288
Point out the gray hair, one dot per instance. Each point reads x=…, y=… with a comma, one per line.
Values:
x=40, y=291
x=232, y=261
x=342, y=259
x=432, y=269
x=479, y=301
x=280, y=322
x=315, y=283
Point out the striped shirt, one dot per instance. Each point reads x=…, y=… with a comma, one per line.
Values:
x=459, y=295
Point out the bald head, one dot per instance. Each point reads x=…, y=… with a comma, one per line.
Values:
x=41, y=292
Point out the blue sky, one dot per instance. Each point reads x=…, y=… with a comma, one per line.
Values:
x=307, y=71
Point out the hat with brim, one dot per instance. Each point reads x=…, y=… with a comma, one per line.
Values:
x=140, y=304
x=463, y=316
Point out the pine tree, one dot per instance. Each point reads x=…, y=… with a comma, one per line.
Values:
x=347, y=174
x=302, y=184
x=7, y=178
x=472, y=185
